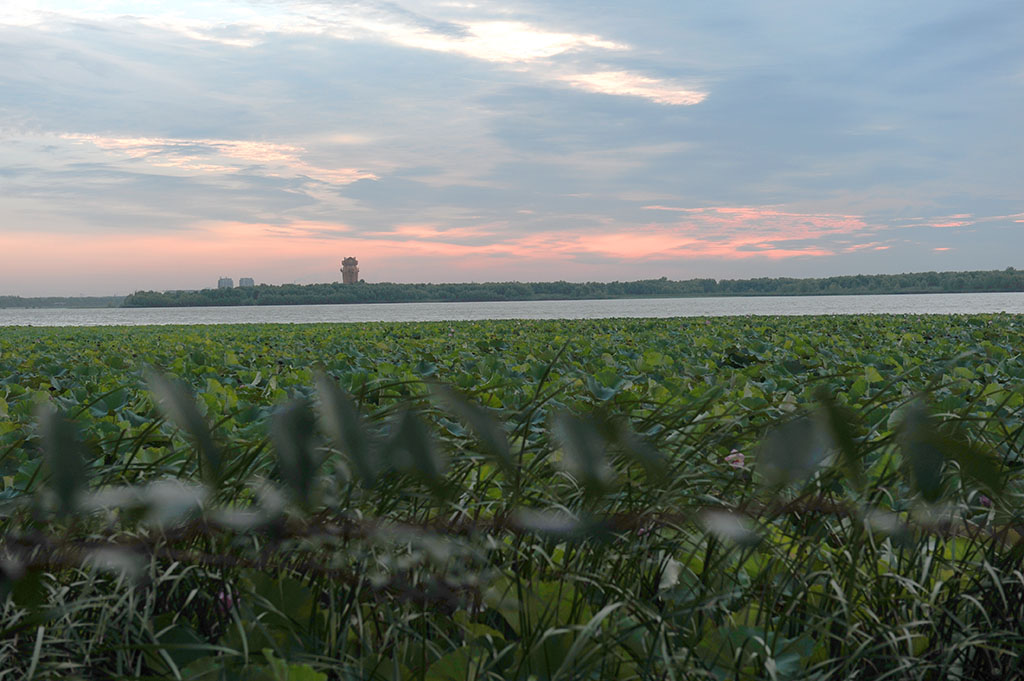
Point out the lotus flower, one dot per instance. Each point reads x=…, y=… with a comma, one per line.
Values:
x=736, y=459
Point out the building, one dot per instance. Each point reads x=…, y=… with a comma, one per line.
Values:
x=225, y=282
x=246, y=282
x=350, y=271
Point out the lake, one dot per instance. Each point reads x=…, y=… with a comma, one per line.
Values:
x=938, y=303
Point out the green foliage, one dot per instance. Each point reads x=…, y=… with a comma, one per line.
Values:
x=63, y=456
x=387, y=292
x=820, y=498
x=75, y=302
x=292, y=433
x=177, y=404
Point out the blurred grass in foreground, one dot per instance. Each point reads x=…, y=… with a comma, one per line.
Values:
x=738, y=498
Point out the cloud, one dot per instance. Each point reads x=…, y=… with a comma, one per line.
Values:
x=765, y=222
x=433, y=232
x=956, y=220
x=440, y=139
x=873, y=246
x=496, y=41
x=514, y=43
x=870, y=246
x=207, y=247
x=219, y=156
x=244, y=25
x=719, y=233
x=623, y=83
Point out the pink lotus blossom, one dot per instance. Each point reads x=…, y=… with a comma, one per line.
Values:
x=224, y=602
x=736, y=459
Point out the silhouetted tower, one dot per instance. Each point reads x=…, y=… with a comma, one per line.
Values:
x=350, y=271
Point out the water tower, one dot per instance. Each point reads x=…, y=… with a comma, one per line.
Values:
x=350, y=271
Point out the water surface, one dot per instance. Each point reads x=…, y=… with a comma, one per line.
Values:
x=931, y=303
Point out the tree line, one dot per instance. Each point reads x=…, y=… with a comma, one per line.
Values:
x=62, y=301
x=1009, y=279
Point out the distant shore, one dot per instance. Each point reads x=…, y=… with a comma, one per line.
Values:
x=62, y=302
x=991, y=281
x=981, y=281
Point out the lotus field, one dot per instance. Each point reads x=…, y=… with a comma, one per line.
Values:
x=737, y=498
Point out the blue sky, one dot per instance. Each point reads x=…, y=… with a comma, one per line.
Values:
x=159, y=145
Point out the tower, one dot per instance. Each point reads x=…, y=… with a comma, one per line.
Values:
x=350, y=271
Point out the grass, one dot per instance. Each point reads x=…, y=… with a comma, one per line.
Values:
x=741, y=498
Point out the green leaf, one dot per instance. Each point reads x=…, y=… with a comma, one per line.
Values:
x=927, y=447
x=169, y=502
x=425, y=368
x=601, y=392
x=280, y=670
x=178, y=406
x=552, y=523
x=303, y=672
x=584, y=450
x=977, y=463
x=918, y=445
x=654, y=462
x=116, y=561
x=176, y=647
x=344, y=425
x=26, y=588
x=491, y=435
x=62, y=451
x=461, y=664
x=583, y=638
x=204, y=669
x=731, y=526
x=292, y=432
x=793, y=451
x=842, y=425
x=412, y=449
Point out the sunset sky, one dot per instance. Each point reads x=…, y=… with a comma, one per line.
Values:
x=160, y=145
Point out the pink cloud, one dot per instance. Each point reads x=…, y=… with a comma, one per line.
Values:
x=743, y=225
x=309, y=251
x=727, y=233
x=874, y=246
x=720, y=233
x=433, y=232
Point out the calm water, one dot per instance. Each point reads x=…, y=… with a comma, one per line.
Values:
x=943, y=303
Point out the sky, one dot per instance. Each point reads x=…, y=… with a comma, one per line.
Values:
x=162, y=145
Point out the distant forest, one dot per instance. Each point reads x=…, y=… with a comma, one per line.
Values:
x=1009, y=279
x=62, y=301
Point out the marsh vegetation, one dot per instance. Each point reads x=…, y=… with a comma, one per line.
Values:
x=737, y=498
